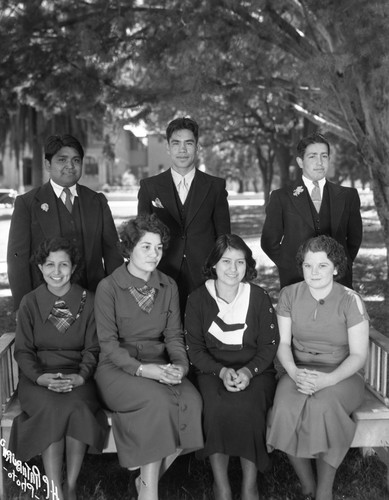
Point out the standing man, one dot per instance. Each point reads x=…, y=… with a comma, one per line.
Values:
x=192, y=204
x=61, y=207
x=309, y=207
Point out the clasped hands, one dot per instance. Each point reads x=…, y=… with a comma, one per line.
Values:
x=234, y=381
x=310, y=381
x=170, y=374
x=59, y=382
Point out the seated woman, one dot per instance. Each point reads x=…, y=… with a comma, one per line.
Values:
x=232, y=334
x=143, y=361
x=56, y=348
x=324, y=334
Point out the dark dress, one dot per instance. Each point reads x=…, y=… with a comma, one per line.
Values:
x=150, y=420
x=40, y=348
x=234, y=422
x=317, y=426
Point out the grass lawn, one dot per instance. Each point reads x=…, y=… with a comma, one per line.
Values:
x=358, y=478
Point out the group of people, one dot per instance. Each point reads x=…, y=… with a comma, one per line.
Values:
x=118, y=323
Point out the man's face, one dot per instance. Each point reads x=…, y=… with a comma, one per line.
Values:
x=315, y=162
x=182, y=149
x=65, y=167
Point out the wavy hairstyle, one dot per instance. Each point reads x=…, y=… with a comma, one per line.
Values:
x=132, y=231
x=334, y=250
x=55, y=245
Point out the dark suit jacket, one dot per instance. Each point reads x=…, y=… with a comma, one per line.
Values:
x=207, y=217
x=289, y=223
x=31, y=224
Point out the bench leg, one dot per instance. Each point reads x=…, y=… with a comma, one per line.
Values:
x=2, y=474
x=4, y=434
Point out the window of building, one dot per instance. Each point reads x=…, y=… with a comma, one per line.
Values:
x=91, y=167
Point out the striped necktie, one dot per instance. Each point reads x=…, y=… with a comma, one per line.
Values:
x=68, y=199
x=316, y=197
x=182, y=190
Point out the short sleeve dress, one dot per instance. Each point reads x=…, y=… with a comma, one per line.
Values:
x=41, y=348
x=319, y=425
x=150, y=420
x=234, y=422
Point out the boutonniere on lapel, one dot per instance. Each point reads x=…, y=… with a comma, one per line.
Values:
x=157, y=203
x=45, y=207
x=298, y=191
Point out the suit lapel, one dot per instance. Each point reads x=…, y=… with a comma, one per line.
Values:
x=165, y=190
x=200, y=188
x=89, y=208
x=337, y=201
x=300, y=201
x=46, y=211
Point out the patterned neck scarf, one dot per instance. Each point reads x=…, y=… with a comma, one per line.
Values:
x=144, y=296
x=60, y=315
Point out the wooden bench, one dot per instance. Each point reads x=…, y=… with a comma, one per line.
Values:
x=372, y=417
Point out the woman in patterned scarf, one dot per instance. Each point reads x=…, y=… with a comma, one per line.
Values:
x=143, y=361
x=56, y=348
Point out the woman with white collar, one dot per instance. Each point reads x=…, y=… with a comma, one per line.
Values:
x=232, y=336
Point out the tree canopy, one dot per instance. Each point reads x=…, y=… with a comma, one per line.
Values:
x=247, y=68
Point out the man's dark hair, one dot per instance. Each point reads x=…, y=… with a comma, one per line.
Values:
x=314, y=138
x=55, y=142
x=182, y=124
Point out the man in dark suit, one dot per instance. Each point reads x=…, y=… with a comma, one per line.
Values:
x=192, y=204
x=309, y=207
x=61, y=207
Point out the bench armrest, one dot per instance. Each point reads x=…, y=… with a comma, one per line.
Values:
x=376, y=369
x=8, y=370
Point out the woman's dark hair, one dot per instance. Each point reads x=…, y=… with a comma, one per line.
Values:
x=334, y=250
x=224, y=242
x=54, y=245
x=132, y=231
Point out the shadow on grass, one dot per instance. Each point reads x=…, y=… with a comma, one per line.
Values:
x=102, y=478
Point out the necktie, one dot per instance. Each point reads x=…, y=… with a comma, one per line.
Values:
x=316, y=197
x=182, y=190
x=68, y=199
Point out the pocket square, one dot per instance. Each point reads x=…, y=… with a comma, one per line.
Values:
x=157, y=203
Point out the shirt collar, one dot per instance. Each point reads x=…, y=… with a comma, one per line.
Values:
x=124, y=279
x=177, y=178
x=46, y=300
x=309, y=184
x=59, y=189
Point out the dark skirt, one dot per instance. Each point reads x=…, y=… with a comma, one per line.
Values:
x=235, y=422
x=49, y=416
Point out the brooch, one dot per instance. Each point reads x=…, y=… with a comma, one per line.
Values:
x=157, y=203
x=45, y=207
x=298, y=190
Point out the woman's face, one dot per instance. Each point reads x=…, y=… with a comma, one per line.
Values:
x=231, y=268
x=318, y=270
x=146, y=255
x=57, y=271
